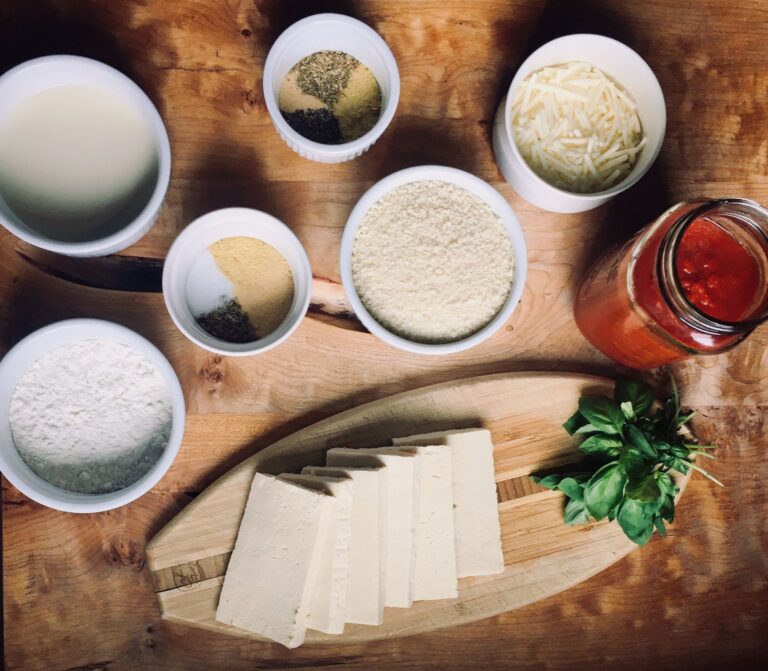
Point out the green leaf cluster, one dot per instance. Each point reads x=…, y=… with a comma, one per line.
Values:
x=631, y=448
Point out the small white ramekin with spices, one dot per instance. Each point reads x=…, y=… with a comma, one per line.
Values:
x=237, y=282
x=338, y=38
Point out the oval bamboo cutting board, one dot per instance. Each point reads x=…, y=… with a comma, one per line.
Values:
x=523, y=411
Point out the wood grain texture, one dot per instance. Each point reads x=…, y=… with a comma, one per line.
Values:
x=697, y=599
x=523, y=412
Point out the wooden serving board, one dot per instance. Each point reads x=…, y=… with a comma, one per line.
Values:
x=523, y=411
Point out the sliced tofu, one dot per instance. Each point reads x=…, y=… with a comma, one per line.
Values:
x=327, y=608
x=365, y=587
x=402, y=497
x=476, y=510
x=435, y=564
x=274, y=567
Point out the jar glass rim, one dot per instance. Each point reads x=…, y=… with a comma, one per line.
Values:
x=670, y=283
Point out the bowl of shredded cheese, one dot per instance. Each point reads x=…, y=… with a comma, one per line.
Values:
x=583, y=120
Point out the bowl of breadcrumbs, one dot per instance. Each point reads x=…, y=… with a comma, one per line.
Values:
x=433, y=260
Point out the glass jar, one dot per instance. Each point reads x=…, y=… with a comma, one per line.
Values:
x=695, y=281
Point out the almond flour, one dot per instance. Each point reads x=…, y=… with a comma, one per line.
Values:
x=432, y=262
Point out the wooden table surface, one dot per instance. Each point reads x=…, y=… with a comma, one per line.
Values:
x=76, y=592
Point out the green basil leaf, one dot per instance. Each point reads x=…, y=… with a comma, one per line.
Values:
x=667, y=510
x=633, y=462
x=639, y=394
x=666, y=483
x=548, y=481
x=653, y=507
x=633, y=520
x=679, y=465
x=576, y=513
x=639, y=440
x=646, y=489
x=602, y=413
x=601, y=445
x=571, y=487
x=574, y=422
x=659, y=524
x=587, y=428
x=628, y=411
x=604, y=490
x=615, y=510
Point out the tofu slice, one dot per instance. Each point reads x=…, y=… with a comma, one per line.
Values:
x=476, y=510
x=327, y=608
x=402, y=501
x=435, y=564
x=274, y=567
x=365, y=586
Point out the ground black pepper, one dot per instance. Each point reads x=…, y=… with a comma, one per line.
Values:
x=318, y=125
x=229, y=322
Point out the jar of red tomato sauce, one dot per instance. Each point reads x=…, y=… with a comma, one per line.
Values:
x=695, y=281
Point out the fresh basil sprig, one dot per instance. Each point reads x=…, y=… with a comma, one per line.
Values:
x=631, y=449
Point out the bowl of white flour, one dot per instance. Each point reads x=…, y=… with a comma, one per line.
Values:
x=91, y=415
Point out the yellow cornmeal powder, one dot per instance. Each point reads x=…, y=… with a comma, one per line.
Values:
x=262, y=277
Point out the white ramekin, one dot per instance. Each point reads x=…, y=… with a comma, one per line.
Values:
x=620, y=63
x=16, y=363
x=472, y=184
x=334, y=32
x=228, y=223
x=40, y=74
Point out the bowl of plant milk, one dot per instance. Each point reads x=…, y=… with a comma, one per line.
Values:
x=84, y=156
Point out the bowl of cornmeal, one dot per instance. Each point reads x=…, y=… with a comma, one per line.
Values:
x=237, y=282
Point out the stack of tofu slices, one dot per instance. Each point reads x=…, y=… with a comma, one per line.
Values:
x=374, y=528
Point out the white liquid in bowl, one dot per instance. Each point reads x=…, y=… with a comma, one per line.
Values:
x=77, y=163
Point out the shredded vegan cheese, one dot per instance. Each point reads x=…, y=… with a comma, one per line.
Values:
x=576, y=128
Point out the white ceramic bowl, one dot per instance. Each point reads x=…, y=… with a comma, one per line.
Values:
x=215, y=226
x=16, y=363
x=621, y=64
x=472, y=184
x=40, y=74
x=334, y=32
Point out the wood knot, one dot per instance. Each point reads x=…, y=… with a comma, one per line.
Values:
x=125, y=554
x=249, y=98
x=212, y=370
x=245, y=32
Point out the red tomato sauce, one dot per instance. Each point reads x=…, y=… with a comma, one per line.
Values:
x=718, y=274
